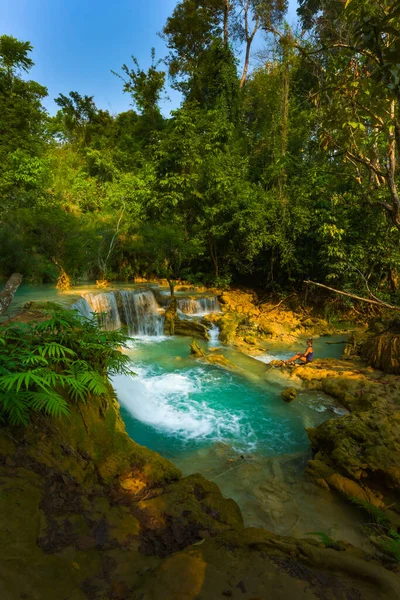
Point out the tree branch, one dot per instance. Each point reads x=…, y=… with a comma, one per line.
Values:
x=374, y=302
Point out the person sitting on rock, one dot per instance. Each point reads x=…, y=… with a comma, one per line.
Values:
x=307, y=357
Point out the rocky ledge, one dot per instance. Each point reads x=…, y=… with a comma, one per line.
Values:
x=357, y=454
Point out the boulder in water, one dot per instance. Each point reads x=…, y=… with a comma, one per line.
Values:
x=289, y=394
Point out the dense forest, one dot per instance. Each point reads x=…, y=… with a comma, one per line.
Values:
x=279, y=166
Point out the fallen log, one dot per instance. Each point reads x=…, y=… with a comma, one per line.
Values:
x=7, y=293
x=375, y=302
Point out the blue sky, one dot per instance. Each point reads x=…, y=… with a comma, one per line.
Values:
x=78, y=42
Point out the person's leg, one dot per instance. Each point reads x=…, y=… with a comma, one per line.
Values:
x=294, y=358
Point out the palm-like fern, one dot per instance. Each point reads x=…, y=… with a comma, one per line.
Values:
x=46, y=365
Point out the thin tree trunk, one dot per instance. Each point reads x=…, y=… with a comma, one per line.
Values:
x=285, y=104
x=213, y=253
x=392, y=170
x=227, y=8
x=171, y=287
x=249, y=41
x=7, y=294
x=375, y=302
x=285, y=120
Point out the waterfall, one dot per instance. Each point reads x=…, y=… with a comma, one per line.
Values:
x=105, y=303
x=83, y=308
x=214, y=336
x=137, y=309
x=198, y=306
x=141, y=313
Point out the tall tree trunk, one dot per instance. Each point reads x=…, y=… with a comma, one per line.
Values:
x=285, y=119
x=227, y=8
x=7, y=293
x=213, y=252
x=394, y=192
x=285, y=104
x=249, y=40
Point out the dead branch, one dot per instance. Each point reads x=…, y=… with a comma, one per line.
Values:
x=374, y=302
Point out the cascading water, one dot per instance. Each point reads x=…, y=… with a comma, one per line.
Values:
x=198, y=306
x=214, y=336
x=106, y=304
x=83, y=308
x=141, y=313
x=137, y=309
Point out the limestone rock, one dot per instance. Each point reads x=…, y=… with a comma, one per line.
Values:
x=197, y=350
x=363, y=447
x=289, y=394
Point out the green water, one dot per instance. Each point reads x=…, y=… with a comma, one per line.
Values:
x=236, y=430
x=176, y=405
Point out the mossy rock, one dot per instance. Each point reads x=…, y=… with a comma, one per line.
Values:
x=362, y=446
x=46, y=306
x=289, y=394
x=228, y=325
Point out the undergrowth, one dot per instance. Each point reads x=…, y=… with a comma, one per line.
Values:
x=380, y=530
x=46, y=365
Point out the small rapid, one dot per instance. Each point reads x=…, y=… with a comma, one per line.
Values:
x=198, y=306
x=170, y=403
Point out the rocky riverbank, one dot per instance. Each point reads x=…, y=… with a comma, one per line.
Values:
x=358, y=454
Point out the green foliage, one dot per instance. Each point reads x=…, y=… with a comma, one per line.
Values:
x=22, y=126
x=47, y=365
x=324, y=538
x=390, y=544
x=267, y=184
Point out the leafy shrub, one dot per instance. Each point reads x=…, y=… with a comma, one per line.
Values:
x=48, y=364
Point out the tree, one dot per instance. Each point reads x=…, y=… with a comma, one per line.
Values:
x=22, y=126
x=7, y=293
x=189, y=32
x=166, y=249
x=359, y=91
x=145, y=88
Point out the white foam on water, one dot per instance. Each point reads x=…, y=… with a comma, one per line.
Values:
x=267, y=357
x=138, y=340
x=340, y=411
x=165, y=403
